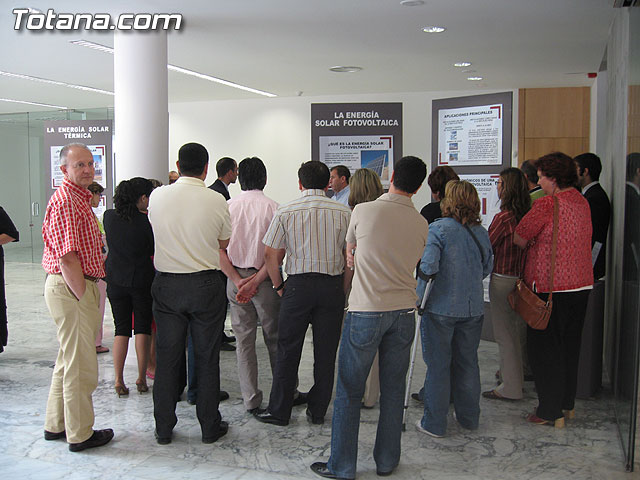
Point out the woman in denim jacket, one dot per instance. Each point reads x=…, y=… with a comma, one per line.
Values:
x=458, y=256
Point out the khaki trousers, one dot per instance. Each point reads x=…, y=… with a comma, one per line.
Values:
x=507, y=330
x=263, y=307
x=75, y=375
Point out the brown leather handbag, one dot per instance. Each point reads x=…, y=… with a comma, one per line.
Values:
x=530, y=307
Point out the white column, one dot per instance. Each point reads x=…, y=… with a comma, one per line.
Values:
x=141, y=105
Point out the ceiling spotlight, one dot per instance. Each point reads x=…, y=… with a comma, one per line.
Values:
x=350, y=69
x=474, y=79
x=433, y=29
x=411, y=3
x=462, y=64
x=469, y=70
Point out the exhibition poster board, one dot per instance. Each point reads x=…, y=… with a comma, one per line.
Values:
x=96, y=135
x=357, y=135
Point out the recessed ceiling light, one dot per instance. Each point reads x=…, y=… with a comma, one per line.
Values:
x=474, y=79
x=58, y=107
x=462, y=64
x=175, y=68
x=54, y=82
x=351, y=69
x=411, y=3
x=433, y=29
x=469, y=70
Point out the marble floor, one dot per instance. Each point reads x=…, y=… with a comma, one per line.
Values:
x=504, y=447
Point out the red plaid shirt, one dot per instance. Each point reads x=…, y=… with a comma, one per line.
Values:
x=69, y=226
x=507, y=256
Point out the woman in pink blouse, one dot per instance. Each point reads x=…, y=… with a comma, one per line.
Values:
x=508, y=326
x=554, y=352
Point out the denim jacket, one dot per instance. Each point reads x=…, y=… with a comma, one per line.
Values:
x=453, y=257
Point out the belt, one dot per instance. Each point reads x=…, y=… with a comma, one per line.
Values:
x=313, y=275
x=86, y=277
x=201, y=272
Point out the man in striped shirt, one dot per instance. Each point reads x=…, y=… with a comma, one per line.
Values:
x=72, y=258
x=311, y=231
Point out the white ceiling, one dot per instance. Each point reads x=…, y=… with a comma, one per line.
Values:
x=287, y=46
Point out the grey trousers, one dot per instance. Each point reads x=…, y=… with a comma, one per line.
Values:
x=508, y=328
x=264, y=307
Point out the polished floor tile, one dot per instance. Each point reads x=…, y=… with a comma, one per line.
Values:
x=504, y=447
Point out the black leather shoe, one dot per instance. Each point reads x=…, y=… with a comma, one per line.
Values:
x=99, y=438
x=162, y=440
x=320, y=468
x=227, y=347
x=266, y=417
x=383, y=474
x=313, y=419
x=228, y=338
x=223, y=396
x=301, y=399
x=222, y=431
x=256, y=410
x=416, y=397
x=54, y=436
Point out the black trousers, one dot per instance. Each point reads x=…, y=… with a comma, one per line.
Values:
x=3, y=307
x=180, y=302
x=318, y=300
x=555, y=351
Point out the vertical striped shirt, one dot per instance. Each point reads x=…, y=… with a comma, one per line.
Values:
x=507, y=256
x=70, y=226
x=312, y=230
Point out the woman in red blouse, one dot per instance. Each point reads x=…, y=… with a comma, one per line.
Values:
x=554, y=352
x=508, y=326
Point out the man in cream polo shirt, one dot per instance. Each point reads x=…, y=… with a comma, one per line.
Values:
x=190, y=224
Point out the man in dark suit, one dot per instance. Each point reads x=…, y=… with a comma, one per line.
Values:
x=227, y=170
x=589, y=168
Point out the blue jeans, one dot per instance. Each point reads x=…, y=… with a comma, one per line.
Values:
x=450, y=350
x=364, y=334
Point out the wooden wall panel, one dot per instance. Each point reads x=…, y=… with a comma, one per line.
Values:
x=553, y=119
x=633, y=119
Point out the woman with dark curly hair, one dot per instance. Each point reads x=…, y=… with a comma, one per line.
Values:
x=130, y=273
x=437, y=182
x=508, y=326
x=554, y=351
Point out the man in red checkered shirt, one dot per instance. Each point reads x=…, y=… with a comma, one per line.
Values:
x=73, y=261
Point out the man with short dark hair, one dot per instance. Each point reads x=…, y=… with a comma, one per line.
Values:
x=385, y=239
x=530, y=171
x=173, y=176
x=249, y=289
x=227, y=171
x=73, y=261
x=589, y=168
x=339, y=183
x=190, y=224
x=311, y=231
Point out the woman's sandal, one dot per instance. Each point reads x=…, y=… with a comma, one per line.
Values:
x=142, y=387
x=492, y=394
x=533, y=418
x=121, y=391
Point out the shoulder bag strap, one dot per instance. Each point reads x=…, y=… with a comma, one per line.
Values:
x=553, y=245
x=475, y=239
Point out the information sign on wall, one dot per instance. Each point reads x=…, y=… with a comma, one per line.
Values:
x=357, y=135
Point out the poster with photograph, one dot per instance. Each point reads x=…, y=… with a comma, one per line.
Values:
x=357, y=135
x=364, y=151
x=487, y=188
x=470, y=136
x=98, y=152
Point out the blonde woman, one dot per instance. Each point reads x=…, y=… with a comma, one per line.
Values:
x=365, y=186
x=458, y=256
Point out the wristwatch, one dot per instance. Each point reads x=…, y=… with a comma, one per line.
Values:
x=278, y=288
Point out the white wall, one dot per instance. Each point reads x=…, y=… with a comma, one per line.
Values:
x=278, y=130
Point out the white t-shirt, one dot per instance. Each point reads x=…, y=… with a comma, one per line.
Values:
x=188, y=219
